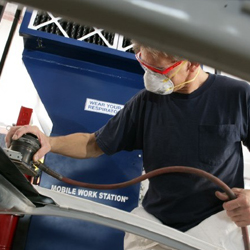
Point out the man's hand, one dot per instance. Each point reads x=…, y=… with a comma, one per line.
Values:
x=17, y=131
x=238, y=209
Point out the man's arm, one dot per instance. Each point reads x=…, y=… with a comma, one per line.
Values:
x=78, y=145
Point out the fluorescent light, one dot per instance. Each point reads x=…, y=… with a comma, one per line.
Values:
x=169, y=11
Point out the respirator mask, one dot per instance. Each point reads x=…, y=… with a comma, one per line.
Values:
x=156, y=81
x=160, y=83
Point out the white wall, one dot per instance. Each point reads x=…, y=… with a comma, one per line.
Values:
x=16, y=87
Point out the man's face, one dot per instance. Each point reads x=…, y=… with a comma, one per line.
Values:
x=165, y=66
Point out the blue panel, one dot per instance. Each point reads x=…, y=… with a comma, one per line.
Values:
x=68, y=234
x=80, y=50
x=64, y=84
x=64, y=80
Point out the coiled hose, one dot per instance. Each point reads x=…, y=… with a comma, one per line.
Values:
x=165, y=170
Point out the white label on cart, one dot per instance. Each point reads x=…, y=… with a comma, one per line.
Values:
x=107, y=108
x=90, y=194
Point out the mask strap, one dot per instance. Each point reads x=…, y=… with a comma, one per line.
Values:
x=182, y=64
x=189, y=80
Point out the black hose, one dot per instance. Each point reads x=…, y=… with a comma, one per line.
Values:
x=10, y=38
x=2, y=6
x=157, y=172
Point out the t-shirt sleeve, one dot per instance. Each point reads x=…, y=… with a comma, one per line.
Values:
x=246, y=141
x=122, y=132
x=246, y=121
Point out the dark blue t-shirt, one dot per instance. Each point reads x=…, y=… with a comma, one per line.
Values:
x=203, y=129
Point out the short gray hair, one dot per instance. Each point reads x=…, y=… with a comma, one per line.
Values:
x=137, y=47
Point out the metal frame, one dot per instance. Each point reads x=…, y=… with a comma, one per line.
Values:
x=14, y=202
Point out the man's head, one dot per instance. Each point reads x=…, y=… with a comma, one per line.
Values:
x=137, y=47
x=165, y=73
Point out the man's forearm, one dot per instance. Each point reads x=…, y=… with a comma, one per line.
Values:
x=78, y=145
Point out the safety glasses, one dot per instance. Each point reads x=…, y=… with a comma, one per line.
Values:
x=154, y=69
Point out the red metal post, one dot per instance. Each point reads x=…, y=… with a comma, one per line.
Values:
x=8, y=223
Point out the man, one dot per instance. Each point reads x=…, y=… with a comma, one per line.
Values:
x=185, y=117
